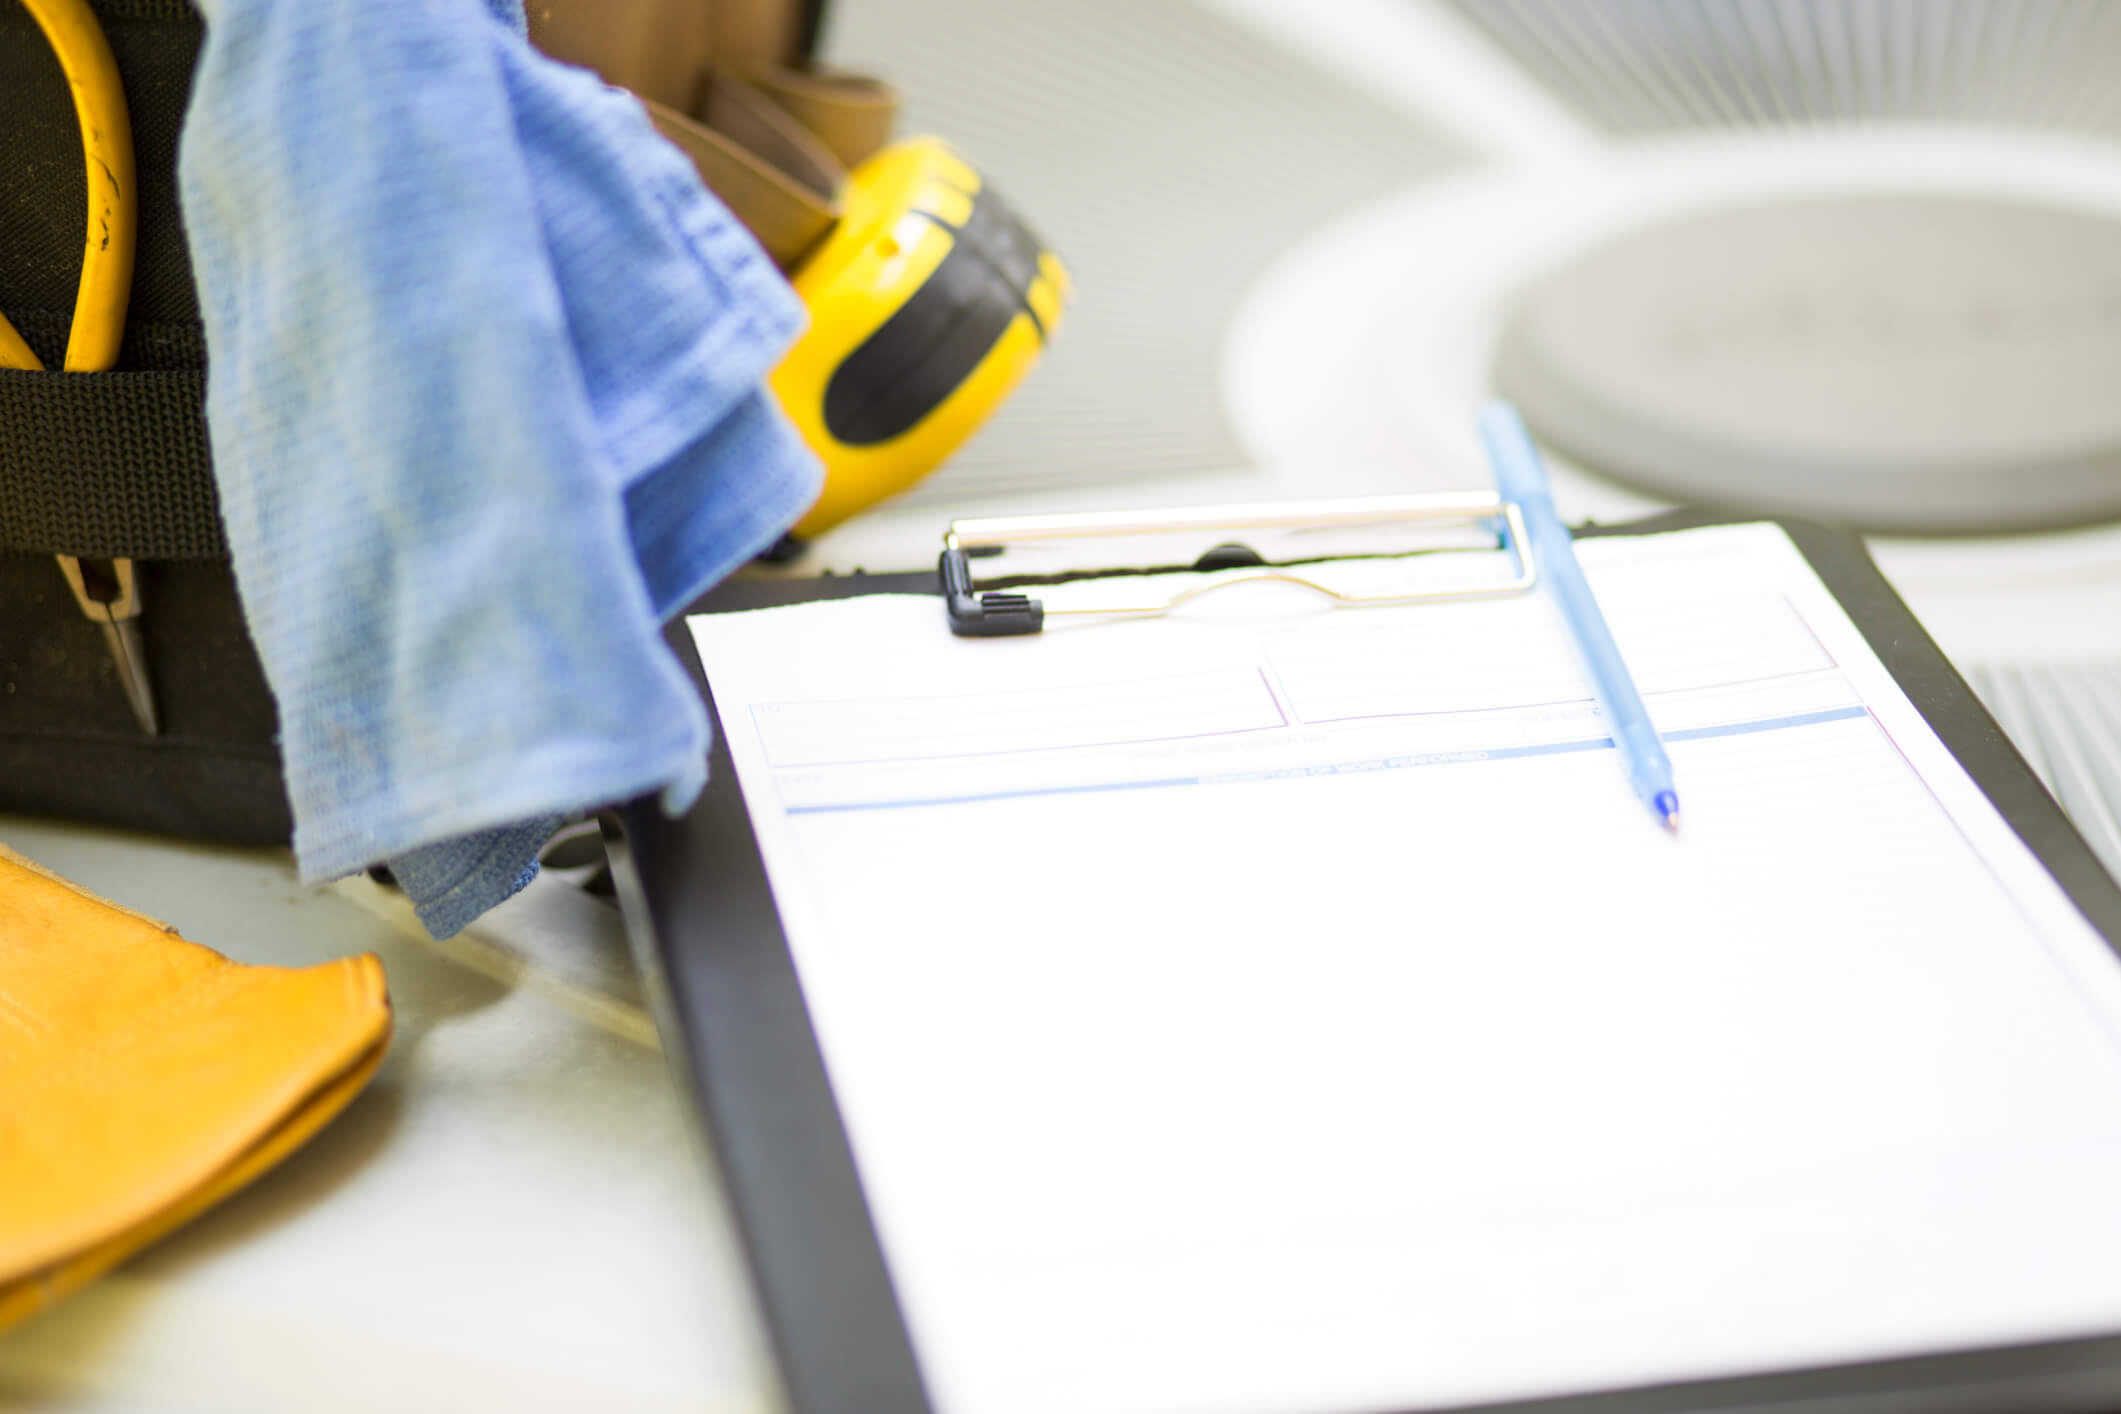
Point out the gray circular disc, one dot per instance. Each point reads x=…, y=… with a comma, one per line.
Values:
x=1901, y=363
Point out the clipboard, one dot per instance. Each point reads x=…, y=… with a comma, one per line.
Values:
x=732, y=1012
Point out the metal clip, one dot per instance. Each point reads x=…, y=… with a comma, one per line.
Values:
x=975, y=614
x=111, y=601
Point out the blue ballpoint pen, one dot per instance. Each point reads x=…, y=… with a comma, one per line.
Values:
x=1521, y=476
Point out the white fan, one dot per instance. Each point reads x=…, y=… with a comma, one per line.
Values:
x=1312, y=236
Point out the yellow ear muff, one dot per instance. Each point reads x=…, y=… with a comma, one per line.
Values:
x=928, y=302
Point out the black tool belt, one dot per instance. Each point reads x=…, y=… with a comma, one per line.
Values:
x=115, y=465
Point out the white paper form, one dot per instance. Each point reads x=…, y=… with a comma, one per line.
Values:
x=1269, y=1008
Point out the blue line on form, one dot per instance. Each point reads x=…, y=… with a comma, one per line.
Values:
x=1392, y=763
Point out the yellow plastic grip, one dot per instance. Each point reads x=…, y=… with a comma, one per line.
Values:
x=107, y=152
x=908, y=211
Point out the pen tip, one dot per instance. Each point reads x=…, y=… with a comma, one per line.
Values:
x=1667, y=807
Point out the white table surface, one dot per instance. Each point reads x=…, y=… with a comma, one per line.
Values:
x=517, y=1213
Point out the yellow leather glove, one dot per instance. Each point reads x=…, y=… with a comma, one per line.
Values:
x=144, y=1078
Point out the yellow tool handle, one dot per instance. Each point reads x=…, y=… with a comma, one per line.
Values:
x=13, y=352
x=107, y=152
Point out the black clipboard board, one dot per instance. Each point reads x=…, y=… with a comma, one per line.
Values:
x=732, y=1015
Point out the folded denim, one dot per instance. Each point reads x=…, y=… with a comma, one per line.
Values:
x=485, y=395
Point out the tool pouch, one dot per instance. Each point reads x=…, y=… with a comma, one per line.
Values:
x=117, y=465
x=111, y=465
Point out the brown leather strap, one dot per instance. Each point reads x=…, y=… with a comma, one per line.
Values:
x=788, y=211
x=659, y=49
x=751, y=120
x=748, y=33
x=722, y=82
x=851, y=114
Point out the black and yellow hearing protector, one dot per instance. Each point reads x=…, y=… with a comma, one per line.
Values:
x=929, y=301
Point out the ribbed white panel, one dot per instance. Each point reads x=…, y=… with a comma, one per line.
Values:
x=1168, y=155
x=1632, y=66
x=2066, y=722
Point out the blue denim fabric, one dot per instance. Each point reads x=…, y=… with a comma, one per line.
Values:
x=485, y=404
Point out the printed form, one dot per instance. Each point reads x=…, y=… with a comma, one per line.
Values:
x=1274, y=1009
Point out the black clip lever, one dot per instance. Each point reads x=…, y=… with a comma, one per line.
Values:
x=989, y=615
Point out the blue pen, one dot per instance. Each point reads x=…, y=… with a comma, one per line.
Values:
x=1521, y=476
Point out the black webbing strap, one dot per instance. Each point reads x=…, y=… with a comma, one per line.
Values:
x=108, y=465
x=101, y=464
